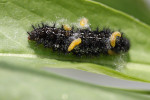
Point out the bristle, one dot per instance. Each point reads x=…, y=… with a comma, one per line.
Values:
x=39, y=26
x=43, y=25
x=28, y=33
x=97, y=29
x=33, y=27
x=54, y=25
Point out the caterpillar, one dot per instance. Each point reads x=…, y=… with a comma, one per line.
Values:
x=80, y=41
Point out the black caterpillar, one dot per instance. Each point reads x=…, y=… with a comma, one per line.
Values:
x=80, y=41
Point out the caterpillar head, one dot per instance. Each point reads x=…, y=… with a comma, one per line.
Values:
x=119, y=43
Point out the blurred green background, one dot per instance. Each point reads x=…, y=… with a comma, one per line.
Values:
x=139, y=9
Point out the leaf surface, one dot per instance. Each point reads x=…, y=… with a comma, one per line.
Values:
x=16, y=18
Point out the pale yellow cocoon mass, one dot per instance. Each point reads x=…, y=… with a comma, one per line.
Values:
x=83, y=22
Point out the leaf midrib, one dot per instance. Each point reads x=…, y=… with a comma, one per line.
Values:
x=25, y=55
x=124, y=76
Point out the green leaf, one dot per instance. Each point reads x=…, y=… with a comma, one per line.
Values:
x=21, y=83
x=17, y=16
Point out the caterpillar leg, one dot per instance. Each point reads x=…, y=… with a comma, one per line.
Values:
x=74, y=43
x=113, y=38
x=110, y=52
